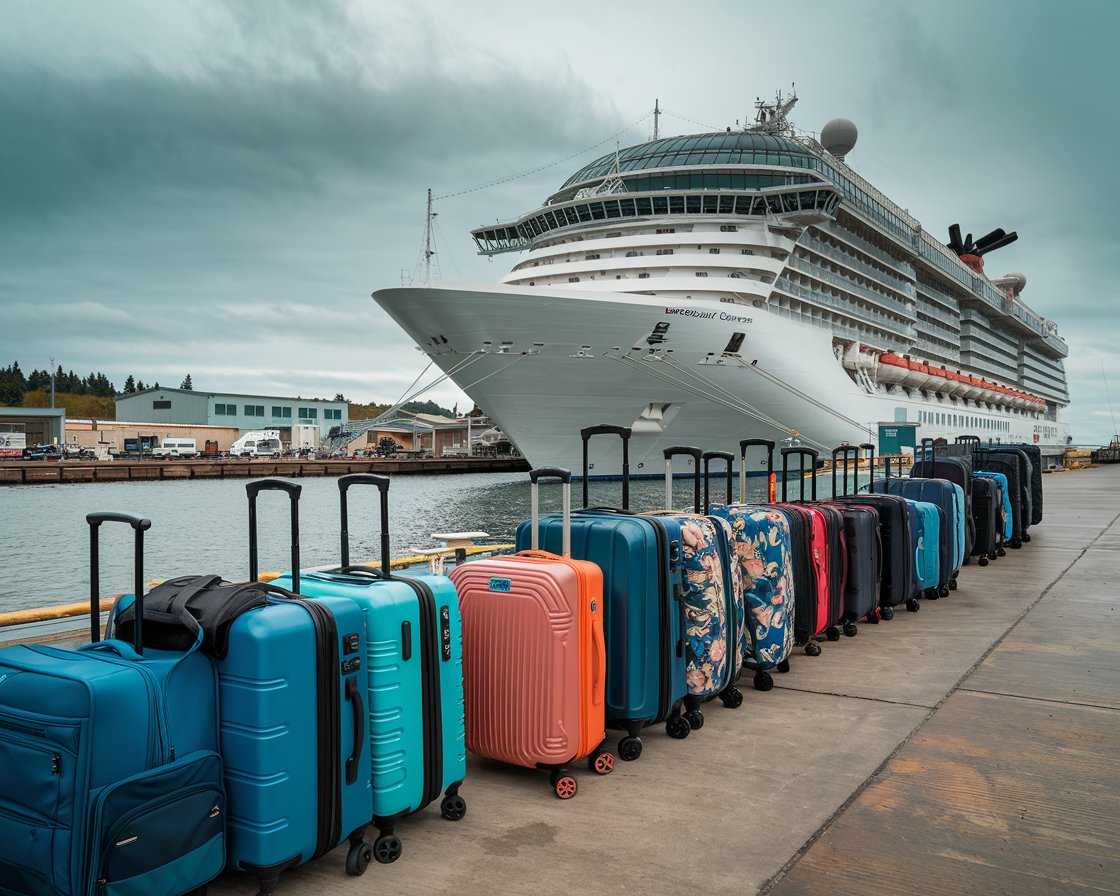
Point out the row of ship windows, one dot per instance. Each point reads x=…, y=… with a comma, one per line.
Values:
x=644, y=275
x=941, y=418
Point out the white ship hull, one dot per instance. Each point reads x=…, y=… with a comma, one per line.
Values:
x=545, y=363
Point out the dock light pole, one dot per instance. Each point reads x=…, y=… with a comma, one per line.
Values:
x=52, y=381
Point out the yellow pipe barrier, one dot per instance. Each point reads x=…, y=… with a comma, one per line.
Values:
x=68, y=611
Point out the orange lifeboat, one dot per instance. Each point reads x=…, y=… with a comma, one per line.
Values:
x=918, y=375
x=892, y=369
x=970, y=386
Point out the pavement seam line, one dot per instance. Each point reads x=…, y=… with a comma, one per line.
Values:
x=786, y=687
x=858, y=792
x=1039, y=699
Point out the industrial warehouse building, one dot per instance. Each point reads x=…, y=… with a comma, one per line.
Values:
x=228, y=409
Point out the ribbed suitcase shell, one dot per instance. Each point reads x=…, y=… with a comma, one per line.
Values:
x=864, y=566
x=897, y=580
x=830, y=601
x=404, y=705
x=534, y=657
x=764, y=552
x=640, y=557
x=985, y=501
x=925, y=532
x=272, y=723
x=1005, y=515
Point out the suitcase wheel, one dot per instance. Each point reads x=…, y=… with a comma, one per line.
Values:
x=732, y=698
x=630, y=748
x=563, y=785
x=871, y=618
x=387, y=849
x=1017, y=543
x=1001, y=553
x=832, y=633
x=912, y=605
x=944, y=590
x=453, y=807
x=952, y=586
x=783, y=666
x=601, y=763
x=358, y=859
x=886, y=613
x=812, y=649
x=850, y=629
x=695, y=718
x=763, y=681
x=677, y=728
x=1026, y=537
x=983, y=561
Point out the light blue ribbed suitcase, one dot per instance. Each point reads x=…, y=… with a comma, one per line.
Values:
x=110, y=782
x=643, y=605
x=925, y=526
x=414, y=677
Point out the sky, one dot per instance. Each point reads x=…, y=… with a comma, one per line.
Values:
x=216, y=188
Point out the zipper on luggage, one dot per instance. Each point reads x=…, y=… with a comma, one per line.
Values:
x=668, y=597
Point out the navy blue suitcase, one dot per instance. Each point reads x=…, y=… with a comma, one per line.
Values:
x=414, y=666
x=110, y=780
x=643, y=593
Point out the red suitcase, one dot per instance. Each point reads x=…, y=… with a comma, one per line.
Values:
x=534, y=657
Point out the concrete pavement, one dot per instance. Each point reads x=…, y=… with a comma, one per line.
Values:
x=896, y=761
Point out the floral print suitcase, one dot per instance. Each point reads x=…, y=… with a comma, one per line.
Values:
x=763, y=551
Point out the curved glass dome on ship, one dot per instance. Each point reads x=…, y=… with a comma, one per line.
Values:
x=727, y=148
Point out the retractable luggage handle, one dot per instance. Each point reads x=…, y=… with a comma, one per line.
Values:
x=535, y=477
x=870, y=449
x=139, y=525
x=252, y=489
x=846, y=452
x=887, y=467
x=801, y=454
x=927, y=458
x=708, y=457
x=624, y=433
x=382, y=483
x=744, y=444
x=975, y=442
x=696, y=454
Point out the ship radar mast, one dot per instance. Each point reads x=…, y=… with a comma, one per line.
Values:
x=771, y=117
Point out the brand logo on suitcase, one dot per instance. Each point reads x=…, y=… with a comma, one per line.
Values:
x=502, y=585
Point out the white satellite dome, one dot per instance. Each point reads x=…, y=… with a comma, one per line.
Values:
x=839, y=136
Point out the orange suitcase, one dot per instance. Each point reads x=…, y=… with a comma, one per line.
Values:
x=534, y=657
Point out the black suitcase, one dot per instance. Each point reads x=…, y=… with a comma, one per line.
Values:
x=985, y=500
x=1034, y=454
x=938, y=463
x=863, y=545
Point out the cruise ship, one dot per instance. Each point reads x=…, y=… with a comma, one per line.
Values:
x=746, y=283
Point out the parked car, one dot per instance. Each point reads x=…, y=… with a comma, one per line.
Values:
x=42, y=452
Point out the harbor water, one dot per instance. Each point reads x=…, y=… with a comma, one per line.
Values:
x=200, y=527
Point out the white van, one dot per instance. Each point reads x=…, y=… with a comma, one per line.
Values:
x=263, y=443
x=176, y=448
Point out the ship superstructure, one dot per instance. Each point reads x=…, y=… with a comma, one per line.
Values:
x=745, y=283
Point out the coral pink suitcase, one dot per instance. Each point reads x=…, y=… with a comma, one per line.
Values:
x=534, y=657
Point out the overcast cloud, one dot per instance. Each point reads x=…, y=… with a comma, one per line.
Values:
x=216, y=188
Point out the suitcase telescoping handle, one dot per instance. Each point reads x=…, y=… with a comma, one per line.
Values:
x=609, y=429
x=382, y=483
x=744, y=444
x=973, y=441
x=927, y=458
x=252, y=489
x=801, y=454
x=696, y=454
x=870, y=449
x=140, y=525
x=728, y=458
x=842, y=455
x=535, y=477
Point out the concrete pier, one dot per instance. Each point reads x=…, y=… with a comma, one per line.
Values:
x=972, y=747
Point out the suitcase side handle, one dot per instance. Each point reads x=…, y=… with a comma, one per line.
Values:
x=139, y=525
x=354, y=696
x=696, y=454
x=293, y=490
x=708, y=457
x=565, y=476
x=744, y=444
x=624, y=433
x=382, y=483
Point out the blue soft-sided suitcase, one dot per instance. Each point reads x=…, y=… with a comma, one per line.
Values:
x=294, y=738
x=925, y=521
x=110, y=780
x=642, y=594
x=414, y=667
